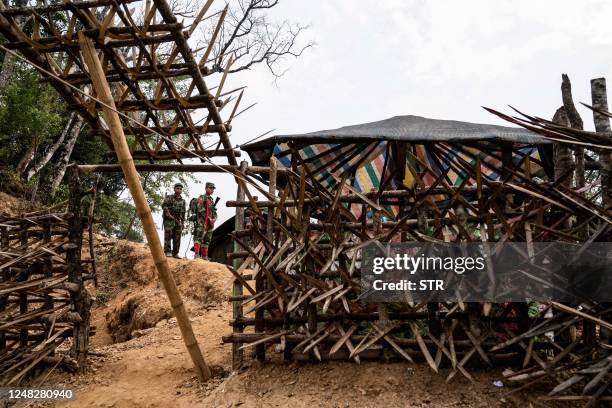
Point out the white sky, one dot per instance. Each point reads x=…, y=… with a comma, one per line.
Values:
x=440, y=59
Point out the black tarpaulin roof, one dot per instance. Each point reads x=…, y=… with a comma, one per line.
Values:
x=408, y=128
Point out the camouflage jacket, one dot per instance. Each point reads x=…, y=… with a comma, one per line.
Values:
x=206, y=211
x=173, y=211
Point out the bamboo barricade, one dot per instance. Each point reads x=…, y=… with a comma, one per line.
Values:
x=297, y=262
x=44, y=305
x=142, y=206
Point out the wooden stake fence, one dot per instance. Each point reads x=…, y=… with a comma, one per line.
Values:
x=43, y=300
x=301, y=277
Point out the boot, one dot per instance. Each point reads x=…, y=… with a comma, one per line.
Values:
x=204, y=252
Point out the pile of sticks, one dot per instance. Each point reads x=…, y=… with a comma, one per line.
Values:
x=297, y=275
x=44, y=305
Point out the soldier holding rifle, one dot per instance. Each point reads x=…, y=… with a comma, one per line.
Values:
x=174, y=217
x=205, y=217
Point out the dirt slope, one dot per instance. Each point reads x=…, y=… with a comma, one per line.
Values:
x=13, y=206
x=152, y=368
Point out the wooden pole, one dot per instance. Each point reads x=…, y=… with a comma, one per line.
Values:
x=562, y=156
x=191, y=168
x=142, y=207
x=260, y=350
x=602, y=125
x=237, y=311
x=4, y=244
x=575, y=122
x=599, y=96
x=272, y=192
x=80, y=298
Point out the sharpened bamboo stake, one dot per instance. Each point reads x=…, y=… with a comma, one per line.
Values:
x=144, y=211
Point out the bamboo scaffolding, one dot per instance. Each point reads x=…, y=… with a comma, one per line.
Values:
x=169, y=113
x=144, y=212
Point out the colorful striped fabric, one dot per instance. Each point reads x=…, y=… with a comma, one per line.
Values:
x=364, y=164
x=455, y=160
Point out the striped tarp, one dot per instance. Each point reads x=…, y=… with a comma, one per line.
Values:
x=366, y=165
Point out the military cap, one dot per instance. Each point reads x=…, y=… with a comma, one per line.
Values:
x=178, y=185
x=212, y=185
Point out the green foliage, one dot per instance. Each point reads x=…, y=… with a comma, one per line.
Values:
x=115, y=216
x=30, y=114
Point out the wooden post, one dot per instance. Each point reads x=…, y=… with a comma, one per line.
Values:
x=237, y=353
x=90, y=224
x=309, y=269
x=260, y=350
x=602, y=125
x=4, y=244
x=599, y=97
x=23, y=295
x=575, y=122
x=433, y=308
x=142, y=207
x=260, y=281
x=562, y=156
x=47, y=263
x=272, y=192
x=81, y=300
x=383, y=312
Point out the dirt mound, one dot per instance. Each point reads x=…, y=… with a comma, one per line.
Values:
x=206, y=282
x=128, y=264
x=130, y=298
x=134, y=314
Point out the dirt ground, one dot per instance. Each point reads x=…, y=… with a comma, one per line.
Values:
x=13, y=206
x=151, y=368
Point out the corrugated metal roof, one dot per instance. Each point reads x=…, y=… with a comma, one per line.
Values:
x=410, y=128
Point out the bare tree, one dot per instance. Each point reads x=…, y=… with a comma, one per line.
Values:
x=60, y=168
x=251, y=38
x=26, y=159
x=40, y=164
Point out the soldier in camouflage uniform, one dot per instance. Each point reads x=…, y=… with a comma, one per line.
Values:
x=174, y=218
x=206, y=215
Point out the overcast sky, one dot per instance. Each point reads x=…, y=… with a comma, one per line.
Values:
x=440, y=59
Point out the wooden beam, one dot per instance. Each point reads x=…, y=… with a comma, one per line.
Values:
x=169, y=155
x=174, y=130
x=188, y=168
x=144, y=211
